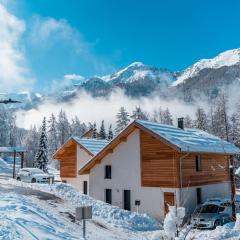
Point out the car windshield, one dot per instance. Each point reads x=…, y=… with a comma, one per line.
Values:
x=36, y=171
x=210, y=208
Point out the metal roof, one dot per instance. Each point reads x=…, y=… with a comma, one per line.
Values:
x=13, y=149
x=190, y=140
x=92, y=145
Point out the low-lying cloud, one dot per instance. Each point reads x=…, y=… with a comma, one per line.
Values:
x=90, y=109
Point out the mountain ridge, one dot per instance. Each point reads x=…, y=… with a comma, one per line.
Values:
x=205, y=77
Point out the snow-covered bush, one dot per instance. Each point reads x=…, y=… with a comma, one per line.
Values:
x=173, y=220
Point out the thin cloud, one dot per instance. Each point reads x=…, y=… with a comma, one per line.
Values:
x=47, y=32
x=14, y=72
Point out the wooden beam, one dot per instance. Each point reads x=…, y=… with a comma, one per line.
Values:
x=110, y=150
x=123, y=139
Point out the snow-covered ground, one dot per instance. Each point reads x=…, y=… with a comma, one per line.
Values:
x=39, y=211
x=34, y=211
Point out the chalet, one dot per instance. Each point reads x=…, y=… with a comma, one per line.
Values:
x=74, y=154
x=149, y=166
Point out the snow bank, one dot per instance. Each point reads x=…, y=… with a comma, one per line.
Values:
x=112, y=214
x=4, y=167
x=21, y=218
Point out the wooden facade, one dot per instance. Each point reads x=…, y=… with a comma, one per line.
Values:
x=160, y=166
x=158, y=163
x=68, y=159
x=215, y=169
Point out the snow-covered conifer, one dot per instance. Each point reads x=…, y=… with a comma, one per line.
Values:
x=102, y=133
x=110, y=133
x=31, y=141
x=63, y=127
x=201, y=121
x=167, y=117
x=139, y=114
x=122, y=120
x=41, y=158
x=94, y=131
x=188, y=122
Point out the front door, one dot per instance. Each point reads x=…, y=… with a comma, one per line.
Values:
x=168, y=201
x=127, y=200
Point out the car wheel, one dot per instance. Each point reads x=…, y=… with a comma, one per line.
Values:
x=217, y=223
x=18, y=179
x=33, y=180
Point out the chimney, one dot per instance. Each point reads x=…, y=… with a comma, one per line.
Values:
x=180, y=123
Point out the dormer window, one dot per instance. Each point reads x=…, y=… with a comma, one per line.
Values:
x=108, y=172
x=198, y=160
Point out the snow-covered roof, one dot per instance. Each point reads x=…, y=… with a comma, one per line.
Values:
x=12, y=149
x=92, y=145
x=190, y=140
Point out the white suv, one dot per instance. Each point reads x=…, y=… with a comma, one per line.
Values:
x=32, y=175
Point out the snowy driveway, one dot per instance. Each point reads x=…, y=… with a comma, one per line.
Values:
x=27, y=213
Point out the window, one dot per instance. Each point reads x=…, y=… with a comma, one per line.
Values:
x=108, y=171
x=108, y=196
x=198, y=161
x=85, y=187
x=199, y=195
x=127, y=200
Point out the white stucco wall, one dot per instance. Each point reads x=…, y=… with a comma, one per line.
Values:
x=82, y=158
x=125, y=162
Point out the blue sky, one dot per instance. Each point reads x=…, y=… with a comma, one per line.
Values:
x=97, y=37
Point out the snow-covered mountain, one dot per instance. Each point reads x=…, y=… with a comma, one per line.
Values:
x=136, y=80
x=227, y=58
x=209, y=76
x=205, y=77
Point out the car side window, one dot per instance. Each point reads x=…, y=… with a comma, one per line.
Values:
x=221, y=209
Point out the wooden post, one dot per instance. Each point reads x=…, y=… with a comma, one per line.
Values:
x=22, y=159
x=14, y=163
x=233, y=189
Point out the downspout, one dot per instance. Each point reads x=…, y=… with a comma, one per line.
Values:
x=180, y=174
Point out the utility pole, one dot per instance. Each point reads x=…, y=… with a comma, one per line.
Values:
x=233, y=189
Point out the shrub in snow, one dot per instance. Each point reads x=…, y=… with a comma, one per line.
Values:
x=172, y=220
x=237, y=224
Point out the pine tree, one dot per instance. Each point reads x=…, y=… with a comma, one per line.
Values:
x=188, y=122
x=234, y=129
x=201, y=121
x=63, y=127
x=102, y=131
x=41, y=159
x=110, y=133
x=31, y=140
x=12, y=130
x=139, y=114
x=77, y=128
x=53, y=143
x=167, y=117
x=220, y=119
x=94, y=132
x=122, y=120
x=4, y=127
